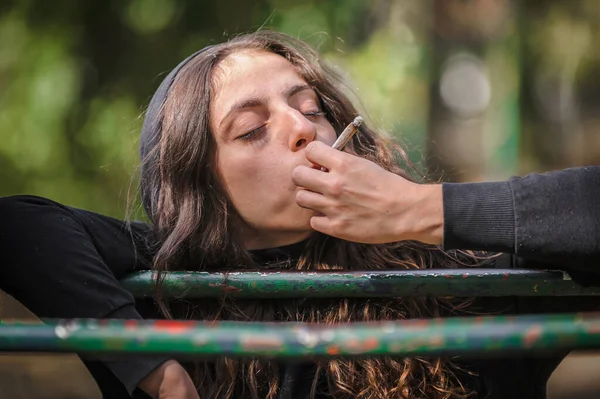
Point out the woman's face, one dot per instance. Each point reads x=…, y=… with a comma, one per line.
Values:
x=263, y=114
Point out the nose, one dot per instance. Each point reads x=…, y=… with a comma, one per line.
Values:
x=302, y=130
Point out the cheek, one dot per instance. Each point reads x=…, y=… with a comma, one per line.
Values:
x=251, y=181
x=234, y=173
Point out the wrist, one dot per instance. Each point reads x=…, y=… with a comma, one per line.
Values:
x=426, y=214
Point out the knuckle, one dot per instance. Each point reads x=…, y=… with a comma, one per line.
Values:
x=345, y=162
x=336, y=187
x=339, y=208
x=338, y=226
x=343, y=224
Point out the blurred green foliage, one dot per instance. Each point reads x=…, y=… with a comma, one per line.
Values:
x=76, y=76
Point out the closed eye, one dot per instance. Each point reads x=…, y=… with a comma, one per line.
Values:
x=314, y=113
x=252, y=134
x=255, y=134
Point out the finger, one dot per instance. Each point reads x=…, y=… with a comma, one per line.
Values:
x=321, y=224
x=311, y=200
x=310, y=178
x=323, y=155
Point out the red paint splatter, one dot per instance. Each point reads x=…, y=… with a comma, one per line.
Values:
x=130, y=324
x=594, y=329
x=419, y=323
x=333, y=350
x=172, y=326
x=371, y=343
x=366, y=345
x=225, y=288
x=532, y=335
x=590, y=318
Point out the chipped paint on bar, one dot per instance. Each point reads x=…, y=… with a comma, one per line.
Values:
x=404, y=283
x=459, y=335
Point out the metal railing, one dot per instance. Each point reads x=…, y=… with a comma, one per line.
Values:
x=456, y=335
x=455, y=282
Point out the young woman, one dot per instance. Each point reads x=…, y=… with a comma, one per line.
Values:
x=223, y=145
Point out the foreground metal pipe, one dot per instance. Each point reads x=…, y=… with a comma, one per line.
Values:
x=472, y=335
x=457, y=282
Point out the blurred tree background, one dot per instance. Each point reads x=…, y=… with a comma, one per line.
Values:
x=475, y=89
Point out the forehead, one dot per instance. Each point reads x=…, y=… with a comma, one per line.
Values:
x=250, y=73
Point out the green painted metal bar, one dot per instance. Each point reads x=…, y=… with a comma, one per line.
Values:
x=466, y=335
x=456, y=282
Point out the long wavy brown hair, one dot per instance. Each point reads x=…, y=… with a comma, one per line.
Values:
x=196, y=228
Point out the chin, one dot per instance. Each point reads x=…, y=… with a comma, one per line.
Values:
x=304, y=215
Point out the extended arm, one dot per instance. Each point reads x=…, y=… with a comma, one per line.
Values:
x=550, y=217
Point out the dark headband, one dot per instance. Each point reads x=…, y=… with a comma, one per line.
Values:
x=150, y=136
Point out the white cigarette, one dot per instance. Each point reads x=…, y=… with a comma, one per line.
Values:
x=347, y=134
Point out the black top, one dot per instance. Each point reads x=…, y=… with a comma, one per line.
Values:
x=550, y=217
x=78, y=257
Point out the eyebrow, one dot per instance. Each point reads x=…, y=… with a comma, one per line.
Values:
x=255, y=102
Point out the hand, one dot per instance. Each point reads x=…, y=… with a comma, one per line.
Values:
x=169, y=381
x=359, y=201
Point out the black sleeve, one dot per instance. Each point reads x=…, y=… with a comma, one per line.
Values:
x=552, y=217
x=55, y=261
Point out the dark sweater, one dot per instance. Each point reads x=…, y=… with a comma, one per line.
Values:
x=78, y=257
x=550, y=217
